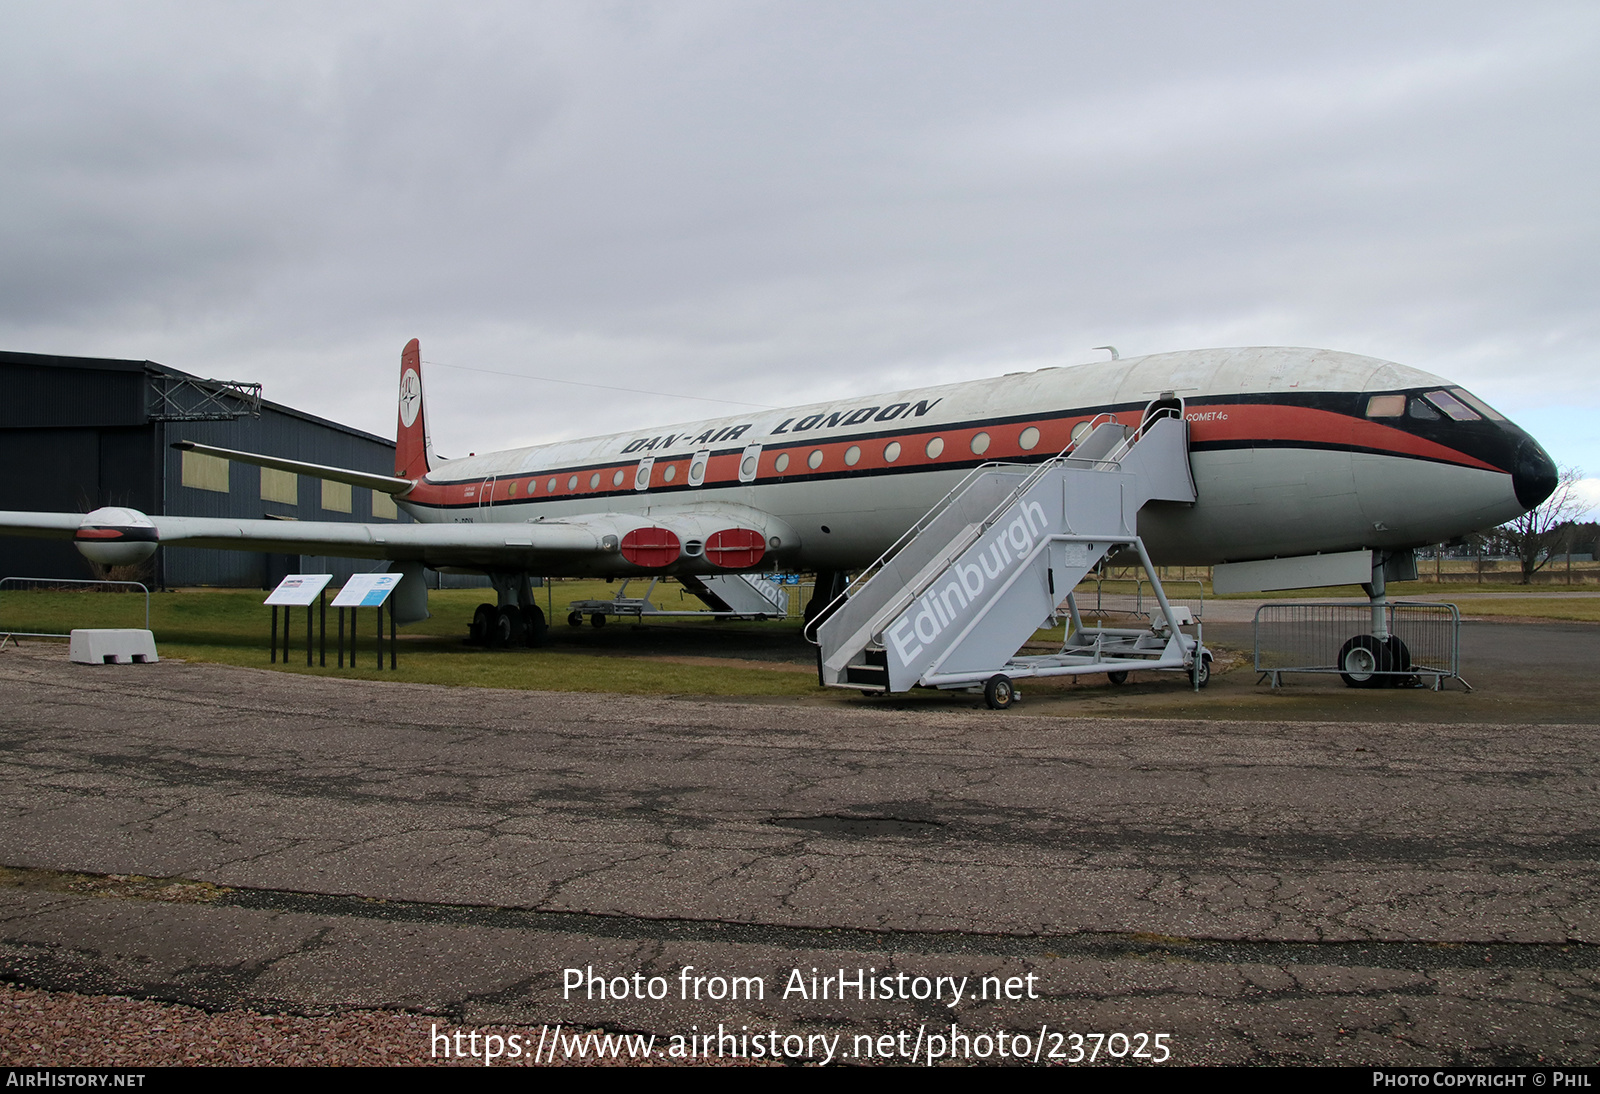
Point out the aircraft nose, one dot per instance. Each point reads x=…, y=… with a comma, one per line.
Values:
x=1534, y=476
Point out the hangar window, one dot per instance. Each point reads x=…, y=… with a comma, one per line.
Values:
x=781, y=464
x=814, y=460
x=383, y=507
x=280, y=486
x=1386, y=406
x=335, y=496
x=202, y=472
x=1029, y=439
x=935, y=447
x=1452, y=406
x=891, y=452
x=980, y=444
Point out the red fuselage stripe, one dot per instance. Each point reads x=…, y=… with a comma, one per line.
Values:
x=1214, y=423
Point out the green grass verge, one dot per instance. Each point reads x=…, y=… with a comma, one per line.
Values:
x=1570, y=609
x=231, y=626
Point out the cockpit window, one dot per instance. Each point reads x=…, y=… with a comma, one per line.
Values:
x=1386, y=406
x=1421, y=409
x=1478, y=404
x=1452, y=406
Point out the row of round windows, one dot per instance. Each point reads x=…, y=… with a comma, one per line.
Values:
x=1027, y=440
x=617, y=477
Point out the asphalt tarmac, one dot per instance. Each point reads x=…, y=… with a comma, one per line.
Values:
x=1351, y=888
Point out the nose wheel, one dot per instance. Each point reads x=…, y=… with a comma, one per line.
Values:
x=1370, y=662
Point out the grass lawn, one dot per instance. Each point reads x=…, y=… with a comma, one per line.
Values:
x=676, y=657
x=1571, y=609
x=230, y=626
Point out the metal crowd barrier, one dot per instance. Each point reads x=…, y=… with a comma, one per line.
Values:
x=53, y=582
x=1300, y=636
x=1137, y=597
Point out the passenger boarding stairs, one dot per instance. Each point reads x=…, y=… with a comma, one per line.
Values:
x=745, y=595
x=953, y=601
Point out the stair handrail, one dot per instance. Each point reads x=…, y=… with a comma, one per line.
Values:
x=1133, y=438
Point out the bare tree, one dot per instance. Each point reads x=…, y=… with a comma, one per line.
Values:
x=1534, y=536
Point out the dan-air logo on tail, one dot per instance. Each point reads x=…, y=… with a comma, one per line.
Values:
x=410, y=396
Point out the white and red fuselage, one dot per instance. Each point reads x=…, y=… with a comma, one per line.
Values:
x=1293, y=452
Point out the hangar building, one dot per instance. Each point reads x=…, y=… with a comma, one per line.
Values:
x=77, y=433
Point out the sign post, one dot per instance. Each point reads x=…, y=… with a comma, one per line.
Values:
x=367, y=591
x=298, y=591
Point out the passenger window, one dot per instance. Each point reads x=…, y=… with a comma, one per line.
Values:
x=1386, y=406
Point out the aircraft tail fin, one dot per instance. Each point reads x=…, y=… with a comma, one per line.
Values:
x=413, y=450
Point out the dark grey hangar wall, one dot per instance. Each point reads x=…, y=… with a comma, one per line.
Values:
x=77, y=433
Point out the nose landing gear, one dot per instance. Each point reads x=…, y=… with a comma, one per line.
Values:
x=1367, y=661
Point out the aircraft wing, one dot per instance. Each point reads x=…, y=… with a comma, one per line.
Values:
x=535, y=547
x=582, y=545
x=384, y=484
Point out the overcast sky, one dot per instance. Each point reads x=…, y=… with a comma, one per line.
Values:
x=778, y=202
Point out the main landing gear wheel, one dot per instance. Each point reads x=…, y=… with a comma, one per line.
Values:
x=1201, y=670
x=483, y=622
x=508, y=629
x=1118, y=677
x=999, y=692
x=574, y=619
x=534, y=627
x=1363, y=660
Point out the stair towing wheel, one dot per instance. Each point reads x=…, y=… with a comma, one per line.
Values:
x=999, y=692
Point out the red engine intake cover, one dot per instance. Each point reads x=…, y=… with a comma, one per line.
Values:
x=651, y=547
x=735, y=548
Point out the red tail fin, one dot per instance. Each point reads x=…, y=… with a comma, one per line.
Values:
x=413, y=451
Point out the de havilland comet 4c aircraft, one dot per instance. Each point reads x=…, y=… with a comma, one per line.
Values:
x=1295, y=454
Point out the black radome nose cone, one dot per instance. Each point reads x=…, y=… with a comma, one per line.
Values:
x=1535, y=476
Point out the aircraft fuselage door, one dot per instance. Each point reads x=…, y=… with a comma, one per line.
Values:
x=486, y=497
x=1166, y=405
x=750, y=463
x=697, y=467
x=641, y=477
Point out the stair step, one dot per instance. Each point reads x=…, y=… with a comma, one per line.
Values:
x=868, y=675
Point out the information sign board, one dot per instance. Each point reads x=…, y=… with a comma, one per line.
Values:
x=366, y=590
x=298, y=590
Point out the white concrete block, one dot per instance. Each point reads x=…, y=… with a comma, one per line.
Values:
x=113, y=647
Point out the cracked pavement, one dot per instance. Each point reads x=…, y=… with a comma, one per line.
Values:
x=1342, y=892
